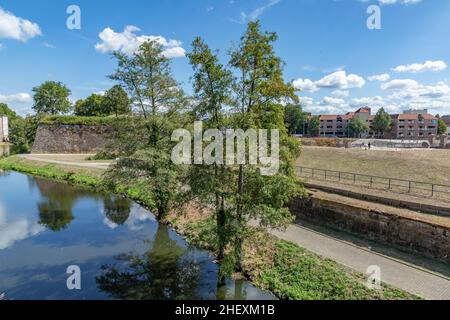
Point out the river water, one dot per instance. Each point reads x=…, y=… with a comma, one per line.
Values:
x=122, y=252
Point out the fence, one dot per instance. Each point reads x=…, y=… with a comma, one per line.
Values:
x=423, y=189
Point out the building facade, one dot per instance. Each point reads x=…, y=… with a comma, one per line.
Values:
x=412, y=124
x=336, y=125
x=4, y=129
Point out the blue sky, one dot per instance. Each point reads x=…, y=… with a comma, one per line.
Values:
x=329, y=52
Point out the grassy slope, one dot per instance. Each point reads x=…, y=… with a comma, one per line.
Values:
x=286, y=269
x=420, y=165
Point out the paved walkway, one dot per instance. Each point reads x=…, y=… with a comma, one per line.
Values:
x=76, y=161
x=398, y=274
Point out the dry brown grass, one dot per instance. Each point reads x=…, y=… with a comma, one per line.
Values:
x=426, y=165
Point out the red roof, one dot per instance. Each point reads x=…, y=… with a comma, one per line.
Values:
x=446, y=120
x=408, y=116
x=328, y=117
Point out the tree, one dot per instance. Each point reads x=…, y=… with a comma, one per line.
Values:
x=92, y=106
x=442, y=127
x=51, y=98
x=314, y=126
x=144, y=143
x=17, y=131
x=382, y=123
x=212, y=88
x=296, y=120
x=116, y=101
x=357, y=127
x=259, y=92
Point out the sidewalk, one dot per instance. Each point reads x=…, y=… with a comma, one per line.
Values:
x=396, y=273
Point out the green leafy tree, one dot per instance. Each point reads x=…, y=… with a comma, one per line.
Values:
x=51, y=98
x=144, y=143
x=442, y=127
x=17, y=132
x=212, y=88
x=314, y=126
x=92, y=106
x=259, y=95
x=296, y=120
x=116, y=101
x=357, y=127
x=382, y=123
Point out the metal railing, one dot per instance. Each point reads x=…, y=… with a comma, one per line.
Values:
x=424, y=189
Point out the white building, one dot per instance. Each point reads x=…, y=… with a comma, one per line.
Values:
x=4, y=130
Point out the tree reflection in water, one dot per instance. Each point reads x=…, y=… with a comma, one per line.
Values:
x=117, y=209
x=55, y=210
x=160, y=274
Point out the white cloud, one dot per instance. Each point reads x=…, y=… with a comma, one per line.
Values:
x=334, y=101
x=244, y=17
x=16, y=28
x=379, y=77
x=340, y=93
x=16, y=98
x=306, y=85
x=128, y=42
x=337, y=80
x=399, y=84
x=386, y=2
x=438, y=65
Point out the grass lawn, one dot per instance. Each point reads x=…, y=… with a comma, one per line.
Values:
x=428, y=165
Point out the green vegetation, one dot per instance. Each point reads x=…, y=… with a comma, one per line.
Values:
x=442, y=127
x=51, y=98
x=314, y=126
x=382, y=123
x=92, y=106
x=287, y=270
x=17, y=130
x=357, y=127
x=115, y=101
x=296, y=120
x=78, y=120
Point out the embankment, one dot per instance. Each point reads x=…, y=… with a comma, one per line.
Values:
x=71, y=138
x=416, y=232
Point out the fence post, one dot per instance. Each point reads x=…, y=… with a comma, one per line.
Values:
x=354, y=178
x=409, y=191
x=432, y=190
x=390, y=181
x=371, y=181
x=339, y=176
x=326, y=174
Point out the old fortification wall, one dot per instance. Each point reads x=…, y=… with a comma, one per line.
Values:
x=61, y=138
x=424, y=237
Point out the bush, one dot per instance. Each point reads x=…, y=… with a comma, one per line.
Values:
x=79, y=120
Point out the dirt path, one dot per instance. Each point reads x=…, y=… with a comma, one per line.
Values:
x=76, y=160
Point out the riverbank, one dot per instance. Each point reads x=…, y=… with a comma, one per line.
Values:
x=285, y=269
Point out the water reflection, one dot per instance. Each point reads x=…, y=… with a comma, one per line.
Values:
x=123, y=252
x=161, y=273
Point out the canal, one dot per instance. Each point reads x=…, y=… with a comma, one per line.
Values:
x=121, y=250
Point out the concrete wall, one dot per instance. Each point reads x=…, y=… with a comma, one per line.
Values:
x=57, y=138
x=4, y=129
x=413, y=235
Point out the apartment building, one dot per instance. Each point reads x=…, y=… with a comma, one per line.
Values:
x=336, y=125
x=413, y=126
x=4, y=130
